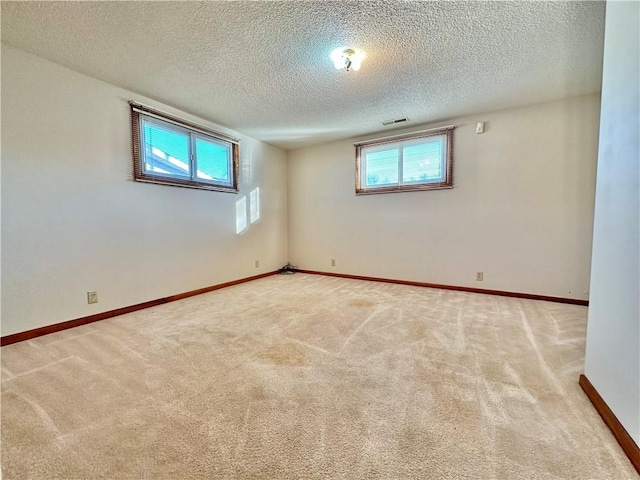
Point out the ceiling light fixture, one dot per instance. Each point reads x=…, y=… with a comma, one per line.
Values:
x=347, y=58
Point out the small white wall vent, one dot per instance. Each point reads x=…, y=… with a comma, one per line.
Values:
x=394, y=121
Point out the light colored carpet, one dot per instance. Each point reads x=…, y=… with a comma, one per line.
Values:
x=304, y=376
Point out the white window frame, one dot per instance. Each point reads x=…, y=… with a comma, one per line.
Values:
x=444, y=134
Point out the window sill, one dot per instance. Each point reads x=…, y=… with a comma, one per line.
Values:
x=403, y=188
x=187, y=184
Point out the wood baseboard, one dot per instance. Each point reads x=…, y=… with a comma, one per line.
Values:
x=529, y=296
x=38, y=332
x=619, y=432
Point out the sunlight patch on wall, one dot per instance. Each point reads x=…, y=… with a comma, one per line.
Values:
x=254, y=205
x=241, y=215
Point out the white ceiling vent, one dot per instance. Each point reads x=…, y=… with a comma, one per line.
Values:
x=393, y=122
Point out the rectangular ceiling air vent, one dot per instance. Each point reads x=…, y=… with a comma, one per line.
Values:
x=393, y=122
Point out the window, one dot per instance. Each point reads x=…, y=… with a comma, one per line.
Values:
x=174, y=152
x=418, y=161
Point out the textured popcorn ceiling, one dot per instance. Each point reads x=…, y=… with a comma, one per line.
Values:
x=263, y=68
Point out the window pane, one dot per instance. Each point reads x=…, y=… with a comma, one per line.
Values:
x=408, y=162
x=382, y=167
x=174, y=152
x=423, y=162
x=165, y=151
x=212, y=160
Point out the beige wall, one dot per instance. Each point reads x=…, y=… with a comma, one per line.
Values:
x=521, y=210
x=612, y=361
x=73, y=220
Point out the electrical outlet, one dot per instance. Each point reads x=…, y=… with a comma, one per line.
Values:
x=333, y=262
x=92, y=297
x=479, y=276
x=257, y=263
